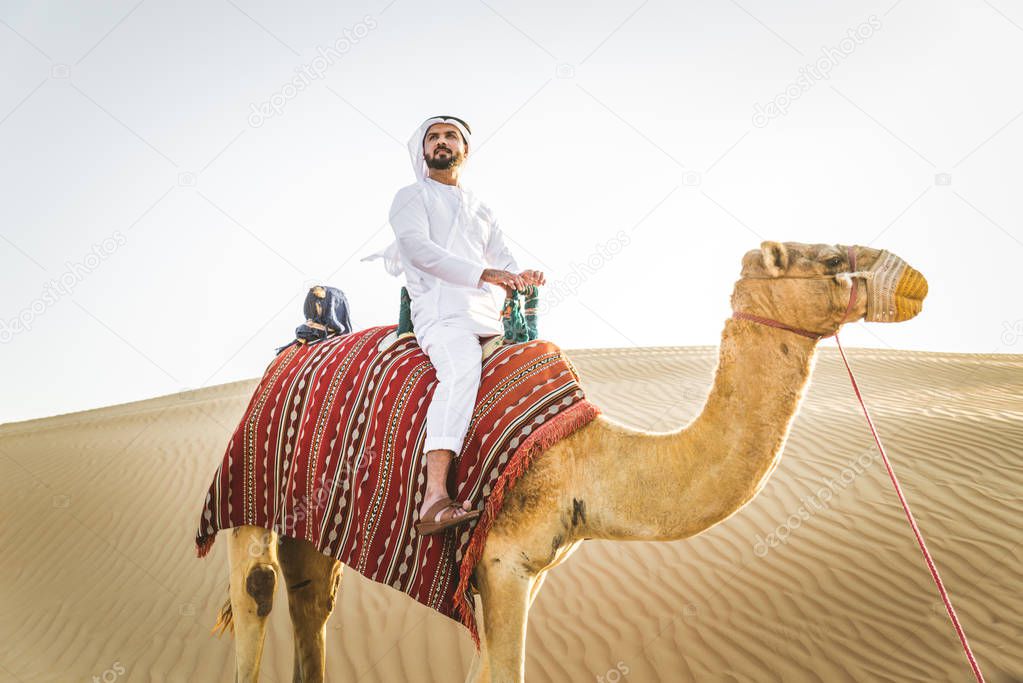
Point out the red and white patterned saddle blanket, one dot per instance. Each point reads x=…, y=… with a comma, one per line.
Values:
x=330, y=450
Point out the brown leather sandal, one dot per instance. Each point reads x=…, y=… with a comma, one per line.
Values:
x=427, y=528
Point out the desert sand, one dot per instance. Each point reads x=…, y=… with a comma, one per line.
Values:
x=101, y=582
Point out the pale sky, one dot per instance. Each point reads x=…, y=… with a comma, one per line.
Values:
x=158, y=234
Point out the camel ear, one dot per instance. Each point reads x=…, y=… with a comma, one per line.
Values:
x=776, y=257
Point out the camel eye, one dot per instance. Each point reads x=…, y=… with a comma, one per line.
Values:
x=833, y=262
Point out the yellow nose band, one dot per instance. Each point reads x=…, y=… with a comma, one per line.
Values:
x=895, y=292
x=909, y=294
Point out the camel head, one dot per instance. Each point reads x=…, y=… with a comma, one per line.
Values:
x=808, y=286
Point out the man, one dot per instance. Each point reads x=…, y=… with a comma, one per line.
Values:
x=451, y=249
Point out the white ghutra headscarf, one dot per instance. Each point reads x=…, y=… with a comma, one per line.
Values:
x=390, y=254
x=415, y=143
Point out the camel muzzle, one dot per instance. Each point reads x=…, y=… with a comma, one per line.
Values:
x=895, y=291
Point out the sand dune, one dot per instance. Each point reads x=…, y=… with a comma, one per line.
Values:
x=100, y=578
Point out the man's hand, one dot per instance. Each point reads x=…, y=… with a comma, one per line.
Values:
x=533, y=277
x=510, y=281
x=507, y=279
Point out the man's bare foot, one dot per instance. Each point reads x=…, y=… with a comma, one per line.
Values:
x=445, y=513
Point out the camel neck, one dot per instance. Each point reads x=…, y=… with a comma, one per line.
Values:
x=758, y=383
x=682, y=482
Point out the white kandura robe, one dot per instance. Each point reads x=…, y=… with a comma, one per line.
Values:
x=445, y=237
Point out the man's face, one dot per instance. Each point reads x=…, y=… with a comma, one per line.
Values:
x=443, y=147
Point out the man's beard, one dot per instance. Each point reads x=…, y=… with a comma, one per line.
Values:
x=448, y=162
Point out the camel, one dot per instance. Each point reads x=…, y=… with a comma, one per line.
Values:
x=676, y=484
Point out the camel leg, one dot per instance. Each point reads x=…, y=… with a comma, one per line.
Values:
x=535, y=588
x=252, y=553
x=312, y=579
x=505, y=593
x=479, y=672
x=296, y=658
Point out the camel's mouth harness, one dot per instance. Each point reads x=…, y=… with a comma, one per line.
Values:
x=895, y=292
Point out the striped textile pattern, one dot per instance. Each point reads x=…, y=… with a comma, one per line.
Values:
x=330, y=450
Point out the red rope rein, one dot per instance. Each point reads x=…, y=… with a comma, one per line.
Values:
x=912, y=523
x=877, y=439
